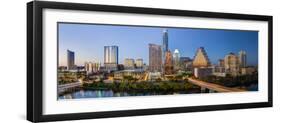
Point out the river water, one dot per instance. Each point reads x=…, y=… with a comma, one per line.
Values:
x=84, y=93
x=109, y=93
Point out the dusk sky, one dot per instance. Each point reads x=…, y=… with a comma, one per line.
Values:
x=88, y=41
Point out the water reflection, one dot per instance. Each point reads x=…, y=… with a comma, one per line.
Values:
x=108, y=93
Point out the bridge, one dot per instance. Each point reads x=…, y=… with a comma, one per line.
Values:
x=64, y=87
x=206, y=86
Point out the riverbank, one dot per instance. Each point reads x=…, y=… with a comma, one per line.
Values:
x=123, y=89
x=142, y=86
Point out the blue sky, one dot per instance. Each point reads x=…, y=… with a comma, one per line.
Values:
x=88, y=41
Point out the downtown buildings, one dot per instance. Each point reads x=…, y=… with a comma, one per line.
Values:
x=171, y=62
x=157, y=54
x=165, y=44
x=231, y=64
x=237, y=64
x=186, y=64
x=176, y=59
x=234, y=65
x=164, y=63
x=201, y=59
x=92, y=67
x=242, y=58
x=129, y=63
x=201, y=64
x=155, y=58
x=70, y=60
x=168, y=64
x=110, y=58
x=139, y=63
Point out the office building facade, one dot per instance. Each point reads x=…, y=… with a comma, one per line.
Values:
x=155, y=58
x=242, y=59
x=139, y=63
x=92, y=67
x=70, y=60
x=129, y=63
x=176, y=59
x=165, y=44
x=168, y=66
x=110, y=57
x=221, y=63
x=231, y=64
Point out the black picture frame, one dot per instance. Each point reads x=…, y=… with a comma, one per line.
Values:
x=35, y=69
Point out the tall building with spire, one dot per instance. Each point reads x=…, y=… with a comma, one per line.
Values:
x=201, y=58
x=165, y=44
x=242, y=59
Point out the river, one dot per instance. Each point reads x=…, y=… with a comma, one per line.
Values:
x=86, y=93
x=82, y=93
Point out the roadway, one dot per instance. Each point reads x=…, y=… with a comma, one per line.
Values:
x=212, y=86
x=64, y=87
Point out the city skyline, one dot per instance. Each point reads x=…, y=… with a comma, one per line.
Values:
x=88, y=41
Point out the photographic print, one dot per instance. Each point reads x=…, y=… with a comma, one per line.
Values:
x=102, y=60
x=87, y=61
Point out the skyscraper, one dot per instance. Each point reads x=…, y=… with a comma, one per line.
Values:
x=139, y=63
x=231, y=62
x=185, y=63
x=176, y=59
x=70, y=60
x=165, y=46
x=242, y=59
x=155, y=58
x=168, y=66
x=91, y=67
x=221, y=63
x=110, y=57
x=201, y=58
x=129, y=63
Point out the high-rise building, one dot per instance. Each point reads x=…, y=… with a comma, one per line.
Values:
x=242, y=59
x=201, y=58
x=110, y=57
x=202, y=72
x=186, y=63
x=176, y=59
x=185, y=59
x=168, y=66
x=219, y=70
x=231, y=64
x=92, y=67
x=221, y=63
x=70, y=60
x=129, y=63
x=165, y=44
x=155, y=58
x=139, y=63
